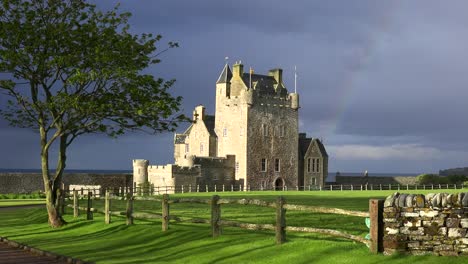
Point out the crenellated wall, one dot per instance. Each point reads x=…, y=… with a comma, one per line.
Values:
x=417, y=224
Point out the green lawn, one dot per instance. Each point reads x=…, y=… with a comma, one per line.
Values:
x=191, y=243
x=15, y=202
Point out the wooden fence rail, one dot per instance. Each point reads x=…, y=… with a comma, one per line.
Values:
x=216, y=222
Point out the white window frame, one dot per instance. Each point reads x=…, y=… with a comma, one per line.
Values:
x=263, y=165
x=277, y=165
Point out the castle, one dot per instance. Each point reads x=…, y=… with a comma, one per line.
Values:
x=252, y=141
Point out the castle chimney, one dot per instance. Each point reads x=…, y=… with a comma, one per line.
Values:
x=302, y=135
x=238, y=69
x=199, y=113
x=277, y=74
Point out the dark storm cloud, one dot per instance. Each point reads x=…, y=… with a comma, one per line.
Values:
x=377, y=77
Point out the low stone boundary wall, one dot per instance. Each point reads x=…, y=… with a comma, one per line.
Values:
x=417, y=224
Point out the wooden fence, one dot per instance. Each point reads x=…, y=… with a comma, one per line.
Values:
x=216, y=221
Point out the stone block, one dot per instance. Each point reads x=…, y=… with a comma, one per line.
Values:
x=421, y=252
x=443, y=247
x=435, y=222
x=398, y=237
x=390, y=200
x=415, y=244
x=464, y=241
x=428, y=213
x=443, y=199
x=391, y=210
x=464, y=202
x=418, y=231
x=450, y=200
x=448, y=253
x=456, y=232
x=409, y=214
x=419, y=201
x=401, y=200
x=390, y=220
x=413, y=222
x=452, y=222
x=460, y=197
x=464, y=223
x=393, y=225
x=390, y=214
x=435, y=201
x=391, y=231
x=409, y=201
x=442, y=231
x=420, y=238
x=407, y=209
x=431, y=243
x=446, y=241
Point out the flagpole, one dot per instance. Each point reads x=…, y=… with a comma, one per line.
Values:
x=295, y=79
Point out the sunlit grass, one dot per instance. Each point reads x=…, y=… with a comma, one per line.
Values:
x=144, y=242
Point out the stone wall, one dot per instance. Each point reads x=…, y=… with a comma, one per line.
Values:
x=402, y=180
x=32, y=182
x=426, y=224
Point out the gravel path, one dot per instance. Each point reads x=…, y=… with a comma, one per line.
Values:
x=13, y=255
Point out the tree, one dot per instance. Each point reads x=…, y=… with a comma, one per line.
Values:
x=69, y=69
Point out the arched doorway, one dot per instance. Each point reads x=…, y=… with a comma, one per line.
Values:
x=279, y=184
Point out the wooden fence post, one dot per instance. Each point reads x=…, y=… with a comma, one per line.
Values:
x=107, y=204
x=280, y=221
x=89, y=213
x=376, y=225
x=129, y=212
x=215, y=216
x=76, y=212
x=165, y=213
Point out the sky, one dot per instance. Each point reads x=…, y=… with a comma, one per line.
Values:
x=382, y=83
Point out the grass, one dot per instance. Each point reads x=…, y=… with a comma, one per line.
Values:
x=16, y=202
x=191, y=243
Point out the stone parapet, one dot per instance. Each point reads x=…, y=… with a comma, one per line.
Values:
x=434, y=224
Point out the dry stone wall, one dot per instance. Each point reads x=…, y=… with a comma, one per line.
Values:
x=418, y=224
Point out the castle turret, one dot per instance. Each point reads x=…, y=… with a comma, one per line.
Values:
x=294, y=100
x=140, y=171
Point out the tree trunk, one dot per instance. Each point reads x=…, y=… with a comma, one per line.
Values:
x=51, y=186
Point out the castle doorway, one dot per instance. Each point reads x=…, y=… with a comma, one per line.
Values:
x=279, y=184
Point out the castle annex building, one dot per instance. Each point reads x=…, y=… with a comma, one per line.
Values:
x=253, y=140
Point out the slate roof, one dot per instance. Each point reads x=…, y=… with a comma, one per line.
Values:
x=305, y=143
x=321, y=148
x=225, y=75
x=263, y=84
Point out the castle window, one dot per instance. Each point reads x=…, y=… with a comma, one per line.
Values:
x=201, y=147
x=264, y=165
x=264, y=130
x=318, y=165
x=277, y=165
x=187, y=149
x=224, y=132
x=308, y=164
x=313, y=165
x=281, y=131
x=313, y=181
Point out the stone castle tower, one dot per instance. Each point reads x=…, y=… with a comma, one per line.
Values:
x=256, y=120
x=252, y=140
